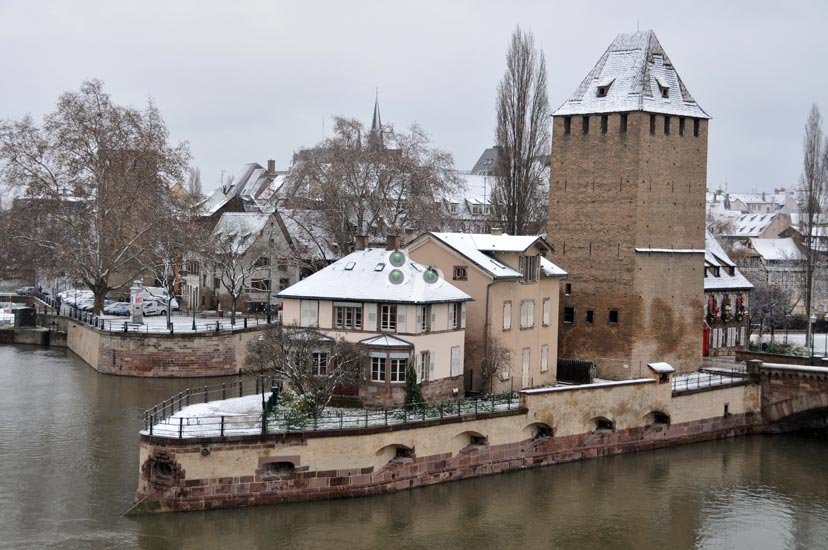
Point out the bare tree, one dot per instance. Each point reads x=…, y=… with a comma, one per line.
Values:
x=235, y=264
x=522, y=137
x=312, y=364
x=814, y=188
x=371, y=184
x=770, y=306
x=96, y=179
x=194, y=181
x=489, y=354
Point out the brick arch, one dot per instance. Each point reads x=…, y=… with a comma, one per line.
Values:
x=781, y=410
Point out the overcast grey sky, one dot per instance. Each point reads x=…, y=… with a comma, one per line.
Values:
x=245, y=81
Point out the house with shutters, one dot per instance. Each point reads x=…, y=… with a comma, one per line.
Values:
x=399, y=311
x=512, y=334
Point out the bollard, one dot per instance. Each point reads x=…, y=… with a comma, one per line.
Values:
x=125, y=326
x=217, y=326
x=180, y=428
x=223, y=392
x=205, y=394
x=222, y=426
x=245, y=322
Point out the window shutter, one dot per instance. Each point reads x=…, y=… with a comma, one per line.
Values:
x=433, y=319
x=547, y=311
x=463, y=315
x=455, y=361
x=420, y=319
x=371, y=310
x=507, y=316
x=431, y=366
x=451, y=318
x=419, y=368
x=401, y=319
x=544, y=358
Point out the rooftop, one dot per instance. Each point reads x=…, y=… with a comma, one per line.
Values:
x=721, y=278
x=634, y=74
x=364, y=276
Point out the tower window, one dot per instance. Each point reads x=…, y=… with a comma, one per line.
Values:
x=613, y=317
x=604, y=123
x=602, y=91
x=665, y=91
x=590, y=316
x=681, y=126
x=666, y=124
x=568, y=315
x=586, y=124
x=623, y=126
x=567, y=124
x=652, y=125
x=696, y=127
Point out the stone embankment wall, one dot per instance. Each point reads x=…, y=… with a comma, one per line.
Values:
x=554, y=425
x=33, y=336
x=161, y=355
x=746, y=355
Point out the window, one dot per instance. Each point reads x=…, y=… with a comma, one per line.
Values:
x=602, y=91
x=604, y=123
x=284, y=282
x=567, y=124
x=456, y=369
x=453, y=207
x=350, y=266
x=613, y=316
x=347, y=316
x=309, y=313
x=398, y=369
x=507, y=315
x=585, y=124
x=388, y=317
x=379, y=267
x=547, y=312
x=623, y=126
x=695, y=127
x=652, y=125
x=568, y=315
x=544, y=358
x=319, y=363
x=666, y=124
x=455, y=314
x=260, y=285
x=261, y=261
x=529, y=268
x=665, y=91
x=460, y=273
x=423, y=318
x=568, y=289
x=681, y=126
x=216, y=282
x=378, y=369
x=527, y=314
x=505, y=367
x=424, y=365
x=590, y=316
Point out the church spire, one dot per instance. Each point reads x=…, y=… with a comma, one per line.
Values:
x=376, y=124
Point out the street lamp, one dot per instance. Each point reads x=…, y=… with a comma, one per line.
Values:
x=811, y=320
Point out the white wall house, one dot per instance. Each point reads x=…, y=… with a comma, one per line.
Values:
x=399, y=314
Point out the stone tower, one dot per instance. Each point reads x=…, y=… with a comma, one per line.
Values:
x=626, y=213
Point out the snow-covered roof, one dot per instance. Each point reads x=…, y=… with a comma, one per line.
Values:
x=661, y=368
x=215, y=201
x=751, y=225
x=721, y=278
x=480, y=248
x=632, y=73
x=243, y=227
x=309, y=233
x=363, y=276
x=386, y=341
x=777, y=249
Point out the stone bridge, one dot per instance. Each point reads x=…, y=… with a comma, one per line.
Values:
x=793, y=397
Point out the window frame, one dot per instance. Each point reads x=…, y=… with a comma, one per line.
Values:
x=317, y=365
x=397, y=367
x=507, y=319
x=617, y=313
x=387, y=312
x=460, y=273
x=378, y=368
x=569, y=315
x=356, y=314
x=528, y=315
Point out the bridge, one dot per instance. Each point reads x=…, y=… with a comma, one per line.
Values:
x=794, y=397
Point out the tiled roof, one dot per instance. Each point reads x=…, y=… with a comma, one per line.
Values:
x=716, y=257
x=632, y=74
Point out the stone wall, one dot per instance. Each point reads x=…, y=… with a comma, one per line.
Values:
x=161, y=355
x=553, y=425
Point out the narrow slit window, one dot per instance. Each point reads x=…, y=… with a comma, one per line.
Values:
x=695, y=127
x=604, y=123
x=623, y=126
x=567, y=124
x=652, y=124
x=681, y=126
x=585, y=123
x=666, y=125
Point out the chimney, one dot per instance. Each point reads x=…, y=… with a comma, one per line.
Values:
x=392, y=242
x=271, y=166
x=359, y=242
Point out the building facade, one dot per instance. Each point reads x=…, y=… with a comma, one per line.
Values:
x=627, y=213
x=726, y=302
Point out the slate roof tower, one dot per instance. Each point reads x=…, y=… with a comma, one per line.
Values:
x=626, y=213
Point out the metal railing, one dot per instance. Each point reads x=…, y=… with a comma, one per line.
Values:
x=708, y=379
x=183, y=324
x=274, y=420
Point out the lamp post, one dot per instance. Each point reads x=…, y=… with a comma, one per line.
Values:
x=811, y=320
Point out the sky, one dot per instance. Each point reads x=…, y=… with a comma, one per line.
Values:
x=246, y=81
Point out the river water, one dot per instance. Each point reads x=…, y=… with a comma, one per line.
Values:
x=69, y=462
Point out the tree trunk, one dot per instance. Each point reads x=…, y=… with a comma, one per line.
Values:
x=233, y=311
x=99, y=289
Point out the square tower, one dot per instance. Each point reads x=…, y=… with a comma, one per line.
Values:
x=627, y=213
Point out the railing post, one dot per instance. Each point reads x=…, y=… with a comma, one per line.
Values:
x=257, y=385
x=476, y=401
x=493, y=403
x=386, y=415
x=152, y=422
x=366, y=419
x=205, y=394
x=341, y=421
x=223, y=392
x=222, y=426
x=181, y=427
x=241, y=388
x=458, y=407
x=405, y=414
x=187, y=394
x=264, y=422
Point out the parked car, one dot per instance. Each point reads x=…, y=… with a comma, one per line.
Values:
x=117, y=308
x=154, y=307
x=26, y=290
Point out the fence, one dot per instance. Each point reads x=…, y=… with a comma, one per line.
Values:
x=161, y=421
x=177, y=323
x=705, y=379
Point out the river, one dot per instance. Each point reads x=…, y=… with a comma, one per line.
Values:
x=69, y=461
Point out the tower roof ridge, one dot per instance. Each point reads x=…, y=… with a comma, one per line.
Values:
x=633, y=74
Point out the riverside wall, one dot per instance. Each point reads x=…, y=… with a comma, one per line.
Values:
x=160, y=355
x=552, y=425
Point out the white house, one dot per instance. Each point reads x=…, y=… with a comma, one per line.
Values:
x=398, y=310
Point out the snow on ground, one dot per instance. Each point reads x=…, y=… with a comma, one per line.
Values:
x=182, y=323
x=796, y=339
x=243, y=416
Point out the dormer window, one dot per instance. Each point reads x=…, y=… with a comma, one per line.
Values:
x=603, y=88
x=663, y=87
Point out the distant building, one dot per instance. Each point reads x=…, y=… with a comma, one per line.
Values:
x=726, y=293
x=626, y=212
x=777, y=262
x=397, y=322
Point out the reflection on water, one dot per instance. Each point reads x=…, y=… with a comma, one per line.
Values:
x=69, y=455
